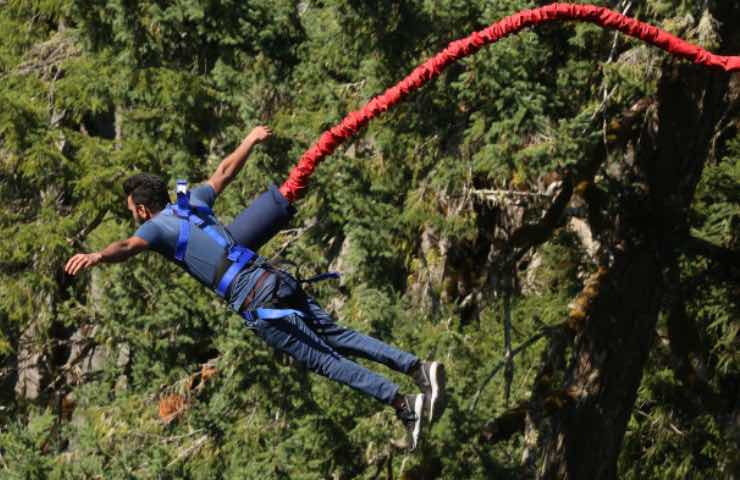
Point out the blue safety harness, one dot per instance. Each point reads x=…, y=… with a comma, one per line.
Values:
x=201, y=217
x=238, y=255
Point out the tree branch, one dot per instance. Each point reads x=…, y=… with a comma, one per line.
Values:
x=502, y=363
x=513, y=420
x=696, y=246
x=191, y=450
x=84, y=231
x=533, y=235
x=297, y=233
x=508, y=358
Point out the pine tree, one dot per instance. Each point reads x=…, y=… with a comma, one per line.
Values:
x=555, y=217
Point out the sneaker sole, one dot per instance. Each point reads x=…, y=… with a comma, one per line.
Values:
x=418, y=411
x=437, y=402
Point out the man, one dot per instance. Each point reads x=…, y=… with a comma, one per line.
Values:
x=223, y=258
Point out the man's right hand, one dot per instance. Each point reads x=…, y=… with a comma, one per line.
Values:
x=259, y=134
x=82, y=261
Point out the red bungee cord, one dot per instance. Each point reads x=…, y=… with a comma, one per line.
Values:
x=332, y=138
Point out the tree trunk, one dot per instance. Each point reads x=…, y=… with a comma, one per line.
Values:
x=614, y=317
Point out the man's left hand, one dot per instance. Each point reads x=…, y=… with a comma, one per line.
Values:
x=82, y=261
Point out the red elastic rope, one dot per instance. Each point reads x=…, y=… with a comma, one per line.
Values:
x=330, y=139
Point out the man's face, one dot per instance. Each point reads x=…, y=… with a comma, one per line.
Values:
x=140, y=212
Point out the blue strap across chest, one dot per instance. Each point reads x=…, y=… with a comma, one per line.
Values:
x=201, y=217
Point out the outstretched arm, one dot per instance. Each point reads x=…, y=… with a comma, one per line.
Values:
x=231, y=165
x=115, y=252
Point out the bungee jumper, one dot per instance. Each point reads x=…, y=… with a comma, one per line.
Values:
x=270, y=300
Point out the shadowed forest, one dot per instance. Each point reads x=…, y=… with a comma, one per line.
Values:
x=556, y=218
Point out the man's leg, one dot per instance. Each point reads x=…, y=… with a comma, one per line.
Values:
x=261, y=220
x=429, y=376
x=344, y=340
x=291, y=335
x=350, y=342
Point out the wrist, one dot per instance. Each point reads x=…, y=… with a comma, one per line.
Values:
x=247, y=143
x=250, y=139
x=97, y=257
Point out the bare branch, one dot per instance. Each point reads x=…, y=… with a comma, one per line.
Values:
x=46, y=57
x=512, y=421
x=505, y=425
x=80, y=236
x=717, y=253
x=191, y=450
x=502, y=363
x=296, y=233
x=499, y=194
x=508, y=358
x=606, y=93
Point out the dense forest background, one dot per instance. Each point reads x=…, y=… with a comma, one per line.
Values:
x=557, y=218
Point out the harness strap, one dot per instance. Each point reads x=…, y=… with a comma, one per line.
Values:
x=205, y=211
x=240, y=256
x=316, y=278
x=182, y=240
x=321, y=277
x=270, y=313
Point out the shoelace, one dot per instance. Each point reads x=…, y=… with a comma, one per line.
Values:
x=406, y=415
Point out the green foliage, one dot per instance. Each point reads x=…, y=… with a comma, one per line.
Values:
x=92, y=91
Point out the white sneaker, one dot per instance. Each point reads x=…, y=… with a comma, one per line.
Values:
x=430, y=378
x=412, y=416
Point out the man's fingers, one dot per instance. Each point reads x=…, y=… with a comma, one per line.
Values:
x=264, y=131
x=70, y=264
x=75, y=264
x=83, y=264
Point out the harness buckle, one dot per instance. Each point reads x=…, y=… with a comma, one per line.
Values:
x=182, y=186
x=183, y=197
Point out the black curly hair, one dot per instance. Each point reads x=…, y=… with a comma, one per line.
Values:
x=148, y=190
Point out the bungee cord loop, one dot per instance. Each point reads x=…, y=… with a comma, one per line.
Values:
x=429, y=70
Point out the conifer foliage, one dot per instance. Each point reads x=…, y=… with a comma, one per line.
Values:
x=556, y=218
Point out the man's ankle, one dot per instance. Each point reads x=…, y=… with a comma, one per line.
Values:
x=399, y=403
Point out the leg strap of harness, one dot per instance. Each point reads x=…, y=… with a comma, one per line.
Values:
x=270, y=313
